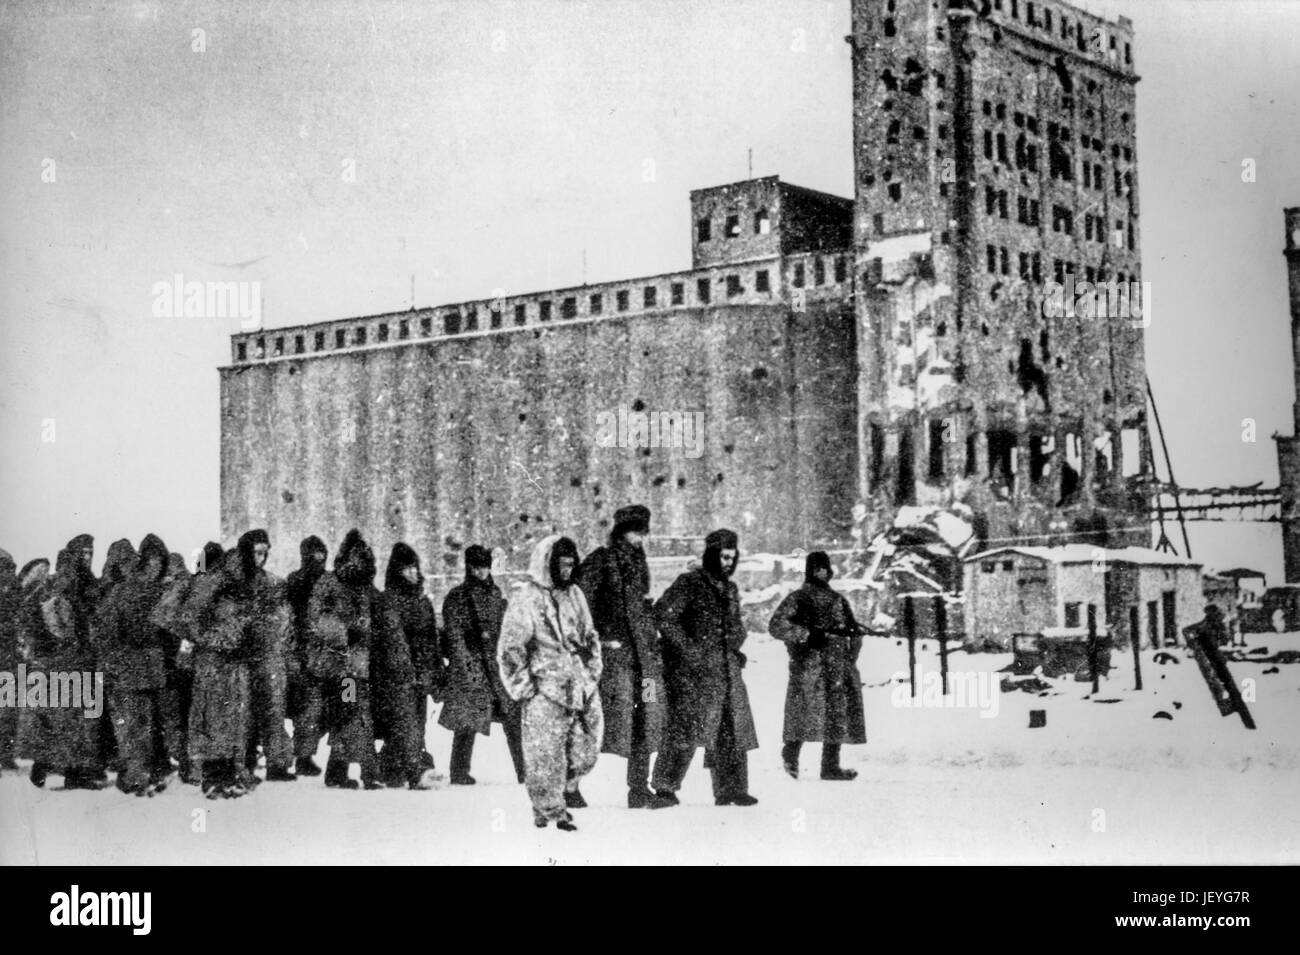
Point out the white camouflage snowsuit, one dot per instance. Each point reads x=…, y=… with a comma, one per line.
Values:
x=549, y=659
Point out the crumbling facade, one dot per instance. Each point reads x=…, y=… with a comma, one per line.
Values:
x=1288, y=448
x=849, y=356
x=995, y=155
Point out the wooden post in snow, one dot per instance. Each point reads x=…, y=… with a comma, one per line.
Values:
x=941, y=630
x=1092, y=648
x=909, y=628
x=1135, y=638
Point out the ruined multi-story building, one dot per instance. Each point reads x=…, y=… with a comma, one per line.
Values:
x=887, y=350
x=995, y=154
x=1288, y=448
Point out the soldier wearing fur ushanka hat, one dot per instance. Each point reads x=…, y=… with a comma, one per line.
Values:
x=702, y=633
x=616, y=582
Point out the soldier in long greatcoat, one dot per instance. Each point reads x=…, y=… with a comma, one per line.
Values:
x=178, y=660
x=476, y=697
x=405, y=639
x=36, y=650
x=131, y=651
x=702, y=633
x=823, y=700
x=11, y=594
x=304, y=703
x=341, y=619
x=616, y=582
x=217, y=618
x=270, y=646
x=72, y=743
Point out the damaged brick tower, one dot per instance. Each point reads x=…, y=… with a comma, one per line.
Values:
x=1288, y=448
x=994, y=153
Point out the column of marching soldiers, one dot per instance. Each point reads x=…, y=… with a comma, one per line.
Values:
x=201, y=671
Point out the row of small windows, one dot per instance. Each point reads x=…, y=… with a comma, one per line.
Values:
x=762, y=224
x=995, y=147
x=999, y=263
x=799, y=279
x=1030, y=267
x=1055, y=132
x=1028, y=213
x=1067, y=29
x=1060, y=163
x=456, y=322
x=1061, y=270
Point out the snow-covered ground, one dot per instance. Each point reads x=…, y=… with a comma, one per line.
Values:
x=1102, y=782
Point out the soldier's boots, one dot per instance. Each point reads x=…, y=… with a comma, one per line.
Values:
x=742, y=799
x=639, y=798
x=565, y=822
x=838, y=773
x=39, y=772
x=664, y=800
x=306, y=766
x=831, y=768
x=573, y=799
x=336, y=776
x=125, y=785
x=371, y=778
x=220, y=780
x=279, y=774
x=790, y=759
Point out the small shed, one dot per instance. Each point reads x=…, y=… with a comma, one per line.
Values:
x=1130, y=591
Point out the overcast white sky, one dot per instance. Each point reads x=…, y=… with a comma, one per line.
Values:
x=493, y=143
